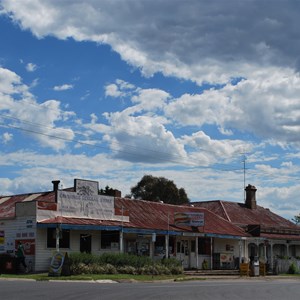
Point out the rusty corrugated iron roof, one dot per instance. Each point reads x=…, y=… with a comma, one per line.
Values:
x=240, y=214
x=157, y=216
x=8, y=203
x=271, y=225
x=142, y=214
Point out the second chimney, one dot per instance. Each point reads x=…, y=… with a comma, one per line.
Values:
x=250, y=196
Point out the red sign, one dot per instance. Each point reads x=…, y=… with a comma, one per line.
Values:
x=29, y=246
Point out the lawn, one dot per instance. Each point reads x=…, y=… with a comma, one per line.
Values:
x=115, y=277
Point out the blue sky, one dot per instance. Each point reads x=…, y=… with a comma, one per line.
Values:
x=113, y=90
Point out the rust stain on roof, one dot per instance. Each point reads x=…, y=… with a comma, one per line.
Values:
x=242, y=216
x=142, y=214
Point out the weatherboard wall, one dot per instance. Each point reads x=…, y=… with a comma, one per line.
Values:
x=22, y=228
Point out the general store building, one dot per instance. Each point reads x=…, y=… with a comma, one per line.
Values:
x=78, y=219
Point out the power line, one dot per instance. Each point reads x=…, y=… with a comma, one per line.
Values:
x=102, y=147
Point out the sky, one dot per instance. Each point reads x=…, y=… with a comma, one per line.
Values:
x=204, y=93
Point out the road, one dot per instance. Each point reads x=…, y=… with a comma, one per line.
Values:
x=208, y=289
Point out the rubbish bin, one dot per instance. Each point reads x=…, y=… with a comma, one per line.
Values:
x=8, y=264
x=255, y=266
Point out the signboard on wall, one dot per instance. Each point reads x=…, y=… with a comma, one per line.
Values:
x=2, y=240
x=28, y=244
x=71, y=204
x=195, y=219
x=86, y=187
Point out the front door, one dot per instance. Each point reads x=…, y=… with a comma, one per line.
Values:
x=183, y=253
x=85, y=243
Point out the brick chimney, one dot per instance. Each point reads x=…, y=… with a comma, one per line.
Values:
x=117, y=193
x=55, y=185
x=250, y=196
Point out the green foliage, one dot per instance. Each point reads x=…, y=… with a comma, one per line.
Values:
x=159, y=188
x=124, y=259
x=119, y=263
x=171, y=262
x=293, y=269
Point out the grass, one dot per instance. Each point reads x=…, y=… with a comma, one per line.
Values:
x=115, y=277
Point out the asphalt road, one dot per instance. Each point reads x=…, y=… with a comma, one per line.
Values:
x=282, y=289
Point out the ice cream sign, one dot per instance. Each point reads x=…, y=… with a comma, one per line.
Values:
x=195, y=219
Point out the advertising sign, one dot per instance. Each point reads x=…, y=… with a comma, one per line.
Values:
x=86, y=187
x=2, y=240
x=28, y=244
x=195, y=219
x=56, y=264
x=74, y=205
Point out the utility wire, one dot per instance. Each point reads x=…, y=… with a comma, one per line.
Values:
x=102, y=147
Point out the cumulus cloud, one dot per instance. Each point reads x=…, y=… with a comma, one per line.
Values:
x=7, y=137
x=266, y=106
x=119, y=89
x=198, y=40
x=20, y=110
x=203, y=150
x=31, y=67
x=112, y=90
x=63, y=87
x=142, y=139
x=203, y=41
x=246, y=56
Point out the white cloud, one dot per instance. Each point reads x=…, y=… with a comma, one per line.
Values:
x=37, y=120
x=119, y=89
x=265, y=105
x=142, y=138
x=202, y=41
x=206, y=151
x=7, y=137
x=31, y=67
x=198, y=40
x=150, y=99
x=63, y=87
x=112, y=90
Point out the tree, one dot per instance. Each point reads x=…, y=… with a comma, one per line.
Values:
x=159, y=189
x=108, y=191
x=296, y=220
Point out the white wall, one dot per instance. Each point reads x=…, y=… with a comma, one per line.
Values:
x=21, y=228
x=44, y=254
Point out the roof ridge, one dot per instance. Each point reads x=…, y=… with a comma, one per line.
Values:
x=225, y=212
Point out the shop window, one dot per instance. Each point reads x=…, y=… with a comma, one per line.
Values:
x=193, y=246
x=204, y=246
x=64, y=238
x=160, y=245
x=109, y=239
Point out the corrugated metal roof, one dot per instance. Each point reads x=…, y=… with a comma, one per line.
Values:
x=241, y=215
x=7, y=207
x=142, y=214
x=157, y=216
x=280, y=236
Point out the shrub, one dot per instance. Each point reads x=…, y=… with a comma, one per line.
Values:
x=127, y=270
x=112, y=263
x=110, y=269
x=293, y=268
x=171, y=262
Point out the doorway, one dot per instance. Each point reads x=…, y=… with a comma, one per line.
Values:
x=85, y=243
x=183, y=253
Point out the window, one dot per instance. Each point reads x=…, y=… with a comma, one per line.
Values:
x=193, y=246
x=64, y=240
x=204, y=246
x=109, y=237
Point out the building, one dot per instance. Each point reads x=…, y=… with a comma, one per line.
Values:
x=78, y=219
x=272, y=236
